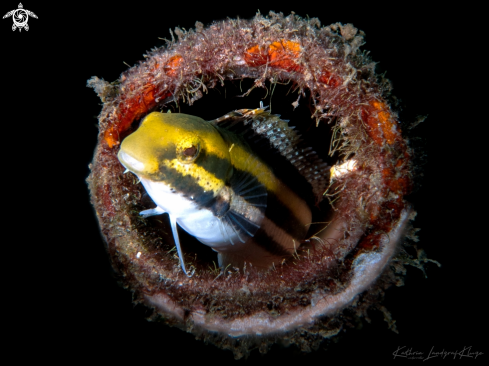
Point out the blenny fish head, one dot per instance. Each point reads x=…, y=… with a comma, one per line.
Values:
x=184, y=152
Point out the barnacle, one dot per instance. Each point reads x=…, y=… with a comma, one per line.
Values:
x=345, y=263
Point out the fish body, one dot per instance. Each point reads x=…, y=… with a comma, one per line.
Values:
x=208, y=177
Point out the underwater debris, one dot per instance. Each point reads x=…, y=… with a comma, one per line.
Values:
x=345, y=265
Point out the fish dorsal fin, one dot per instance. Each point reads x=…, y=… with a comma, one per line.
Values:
x=259, y=125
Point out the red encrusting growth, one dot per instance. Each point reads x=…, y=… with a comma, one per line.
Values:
x=282, y=55
x=171, y=67
x=330, y=79
x=395, y=184
x=381, y=123
x=395, y=176
x=104, y=192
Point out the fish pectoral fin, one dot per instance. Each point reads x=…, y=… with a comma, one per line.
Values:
x=249, y=227
x=173, y=223
x=152, y=212
x=248, y=186
x=247, y=207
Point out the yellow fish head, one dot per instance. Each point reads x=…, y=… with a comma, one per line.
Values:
x=182, y=151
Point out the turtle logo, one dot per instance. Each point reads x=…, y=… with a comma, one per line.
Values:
x=20, y=17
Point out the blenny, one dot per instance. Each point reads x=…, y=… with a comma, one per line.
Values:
x=215, y=182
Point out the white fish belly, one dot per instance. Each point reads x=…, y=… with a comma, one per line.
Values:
x=198, y=222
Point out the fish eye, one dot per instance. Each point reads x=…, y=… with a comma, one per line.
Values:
x=188, y=152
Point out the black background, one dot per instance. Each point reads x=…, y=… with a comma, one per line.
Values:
x=60, y=299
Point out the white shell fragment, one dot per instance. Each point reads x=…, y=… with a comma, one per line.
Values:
x=338, y=171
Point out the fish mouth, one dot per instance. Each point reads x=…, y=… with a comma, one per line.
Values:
x=130, y=163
